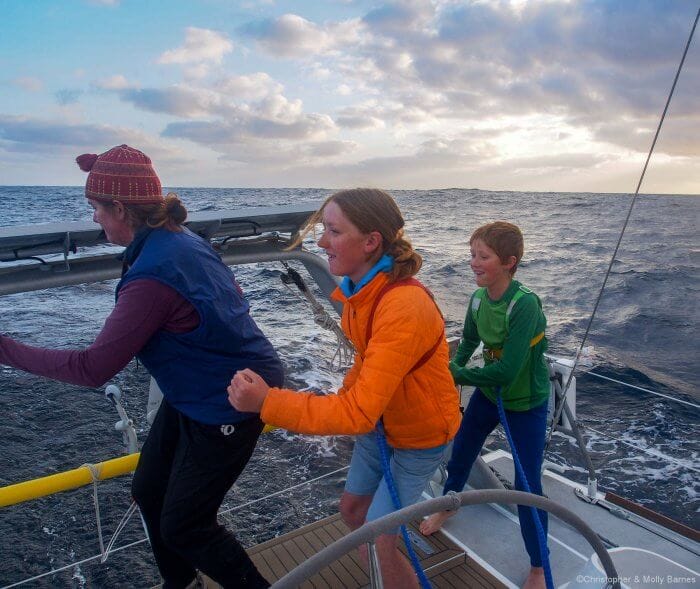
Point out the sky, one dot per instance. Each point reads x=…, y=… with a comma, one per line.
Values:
x=417, y=94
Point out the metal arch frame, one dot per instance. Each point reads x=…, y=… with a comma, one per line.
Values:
x=242, y=236
x=452, y=501
x=106, y=267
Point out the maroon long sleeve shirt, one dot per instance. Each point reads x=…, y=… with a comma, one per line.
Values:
x=144, y=307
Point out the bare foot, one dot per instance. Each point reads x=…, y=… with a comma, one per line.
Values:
x=535, y=580
x=433, y=523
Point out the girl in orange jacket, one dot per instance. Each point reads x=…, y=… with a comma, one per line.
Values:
x=400, y=373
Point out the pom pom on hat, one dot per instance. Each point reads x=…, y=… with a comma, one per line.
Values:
x=86, y=161
x=122, y=173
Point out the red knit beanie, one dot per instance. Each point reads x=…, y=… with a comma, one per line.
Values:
x=122, y=173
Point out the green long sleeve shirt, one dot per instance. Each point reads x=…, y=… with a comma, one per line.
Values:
x=521, y=371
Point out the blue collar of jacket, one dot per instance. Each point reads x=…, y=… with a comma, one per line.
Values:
x=384, y=264
x=132, y=251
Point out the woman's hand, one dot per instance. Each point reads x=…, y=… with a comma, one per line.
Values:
x=247, y=391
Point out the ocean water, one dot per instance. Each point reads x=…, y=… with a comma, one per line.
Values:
x=644, y=333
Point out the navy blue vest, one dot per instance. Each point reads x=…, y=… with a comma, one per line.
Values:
x=193, y=369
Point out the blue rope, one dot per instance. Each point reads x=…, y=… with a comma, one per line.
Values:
x=384, y=453
x=544, y=551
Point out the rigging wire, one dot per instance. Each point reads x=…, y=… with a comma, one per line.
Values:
x=285, y=490
x=632, y=386
x=557, y=413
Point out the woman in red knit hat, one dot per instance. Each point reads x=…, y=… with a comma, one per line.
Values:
x=178, y=309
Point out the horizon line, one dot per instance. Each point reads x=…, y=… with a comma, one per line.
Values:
x=387, y=189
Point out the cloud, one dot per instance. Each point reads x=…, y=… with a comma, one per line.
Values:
x=31, y=135
x=432, y=163
x=351, y=119
x=581, y=64
x=232, y=109
x=115, y=82
x=326, y=149
x=196, y=71
x=288, y=36
x=182, y=101
x=533, y=70
x=278, y=108
x=248, y=87
x=272, y=111
x=29, y=83
x=409, y=110
x=398, y=17
x=226, y=132
x=413, y=89
x=679, y=136
x=562, y=161
x=66, y=96
x=292, y=36
x=288, y=157
x=201, y=45
x=24, y=133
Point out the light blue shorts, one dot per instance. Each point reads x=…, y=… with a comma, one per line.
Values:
x=411, y=469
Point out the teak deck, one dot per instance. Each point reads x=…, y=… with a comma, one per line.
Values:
x=448, y=567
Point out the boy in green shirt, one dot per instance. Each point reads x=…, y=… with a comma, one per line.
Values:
x=508, y=318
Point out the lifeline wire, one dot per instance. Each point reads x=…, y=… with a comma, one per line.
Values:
x=142, y=540
x=632, y=386
x=285, y=490
x=557, y=413
x=122, y=524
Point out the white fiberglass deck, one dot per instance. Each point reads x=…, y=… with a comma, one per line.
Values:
x=491, y=536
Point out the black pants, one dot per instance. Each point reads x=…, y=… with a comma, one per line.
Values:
x=183, y=474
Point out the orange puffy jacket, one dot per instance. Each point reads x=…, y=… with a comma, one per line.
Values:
x=420, y=408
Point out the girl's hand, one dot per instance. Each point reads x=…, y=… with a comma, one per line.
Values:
x=247, y=391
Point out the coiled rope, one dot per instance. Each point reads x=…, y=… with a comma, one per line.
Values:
x=344, y=351
x=557, y=413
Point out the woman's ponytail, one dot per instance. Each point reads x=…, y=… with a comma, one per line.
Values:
x=169, y=214
x=407, y=261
